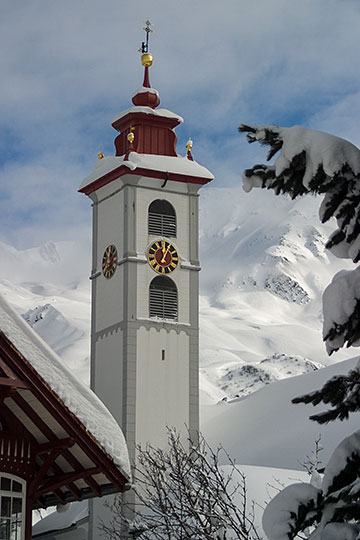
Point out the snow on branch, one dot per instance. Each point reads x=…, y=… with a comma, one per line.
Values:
x=342, y=392
x=326, y=512
x=341, y=308
x=313, y=162
x=292, y=510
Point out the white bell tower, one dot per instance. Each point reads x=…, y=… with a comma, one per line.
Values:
x=145, y=269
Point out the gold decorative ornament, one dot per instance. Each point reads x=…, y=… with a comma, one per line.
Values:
x=147, y=59
x=131, y=137
x=163, y=257
x=189, y=144
x=100, y=153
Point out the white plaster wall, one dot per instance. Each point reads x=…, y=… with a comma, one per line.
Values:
x=109, y=299
x=109, y=292
x=108, y=356
x=110, y=223
x=162, y=397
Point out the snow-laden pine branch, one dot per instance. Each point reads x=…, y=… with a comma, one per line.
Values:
x=312, y=161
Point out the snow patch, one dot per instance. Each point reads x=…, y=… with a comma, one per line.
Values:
x=279, y=517
x=148, y=110
x=52, y=326
x=167, y=164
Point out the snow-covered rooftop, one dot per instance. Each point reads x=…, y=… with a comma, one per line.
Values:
x=148, y=110
x=167, y=164
x=144, y=90
x=64, y=518
x=78, y=398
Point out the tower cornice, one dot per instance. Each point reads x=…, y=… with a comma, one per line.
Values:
x=166, y=168
x=139, y=171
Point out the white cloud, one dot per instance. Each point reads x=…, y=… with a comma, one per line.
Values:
x=71, y=66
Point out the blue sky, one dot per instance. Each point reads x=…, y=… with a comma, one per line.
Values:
x=68, y=67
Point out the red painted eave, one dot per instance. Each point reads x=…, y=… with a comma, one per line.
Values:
x=139, y=171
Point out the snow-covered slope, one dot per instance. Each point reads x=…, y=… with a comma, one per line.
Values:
x=49, y=286
x=266, y=429
x=263, y=270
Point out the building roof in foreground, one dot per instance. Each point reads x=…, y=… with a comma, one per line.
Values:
x=67, y=426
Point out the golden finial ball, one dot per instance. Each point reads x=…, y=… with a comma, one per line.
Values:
x=146, y=59
x=100, y=155
x=131, y=137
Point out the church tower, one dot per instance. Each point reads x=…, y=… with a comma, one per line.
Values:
x=145, y=273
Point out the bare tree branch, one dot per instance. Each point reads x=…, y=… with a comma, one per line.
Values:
x=183, y=493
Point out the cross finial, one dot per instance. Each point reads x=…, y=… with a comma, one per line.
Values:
x=148, y=30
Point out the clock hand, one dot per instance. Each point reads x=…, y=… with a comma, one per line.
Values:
x=164, y=256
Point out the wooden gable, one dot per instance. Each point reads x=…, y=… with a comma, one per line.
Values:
x=44, y=443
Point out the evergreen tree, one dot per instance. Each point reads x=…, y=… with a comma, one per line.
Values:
x=315, y=162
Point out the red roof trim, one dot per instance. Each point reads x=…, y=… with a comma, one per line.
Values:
x=65, y=418
x=150, y=173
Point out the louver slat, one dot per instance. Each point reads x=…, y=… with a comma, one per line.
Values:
x=162, y=224
x=163, y=304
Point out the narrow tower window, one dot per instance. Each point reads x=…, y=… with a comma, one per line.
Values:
x=163, y=298
x=162, y=218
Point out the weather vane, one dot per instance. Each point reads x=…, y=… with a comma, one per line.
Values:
x=148, y=30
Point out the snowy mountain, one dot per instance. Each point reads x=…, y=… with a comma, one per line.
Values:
x=263, y=270
x=49, y=286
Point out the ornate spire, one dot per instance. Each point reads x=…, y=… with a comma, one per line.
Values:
x=141, y=129
x=146, y=98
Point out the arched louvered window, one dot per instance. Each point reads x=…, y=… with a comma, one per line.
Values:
x=162, y=218
x=163, y=298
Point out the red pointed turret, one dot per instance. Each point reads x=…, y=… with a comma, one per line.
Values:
x=153, y=130
x=146, y=143
x=146, y=96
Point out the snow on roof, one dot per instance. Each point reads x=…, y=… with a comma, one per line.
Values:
x=68, y=516
x=148, y=110
x=79, y=399
x=167, y=164
x=144, y=90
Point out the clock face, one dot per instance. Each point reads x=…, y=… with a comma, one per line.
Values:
x=109, y=261
x=163, y=257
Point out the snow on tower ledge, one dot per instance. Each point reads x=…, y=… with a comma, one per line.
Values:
x=179, y=169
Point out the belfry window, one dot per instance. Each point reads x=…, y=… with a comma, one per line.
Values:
x=163, y=298
x=12, y=507
x=162, y=218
